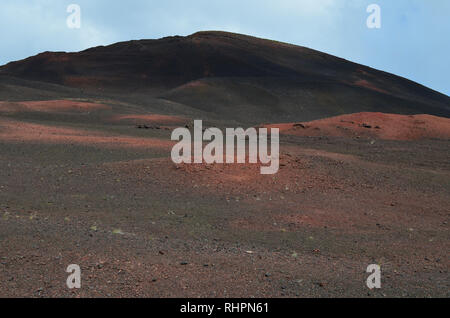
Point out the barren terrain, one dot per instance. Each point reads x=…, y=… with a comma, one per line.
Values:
x=87, y=177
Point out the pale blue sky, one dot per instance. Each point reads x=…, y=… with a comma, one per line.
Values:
x=414, y=40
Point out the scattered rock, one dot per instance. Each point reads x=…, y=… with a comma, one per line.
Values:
x=118, y=232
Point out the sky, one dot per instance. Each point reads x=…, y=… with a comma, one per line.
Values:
x=413, y=41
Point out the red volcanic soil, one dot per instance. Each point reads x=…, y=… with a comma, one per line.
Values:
x=151, y=119
x=143, y=226
x=16, y=131
x=373, y=125
x=109, y=198
x=51, y=106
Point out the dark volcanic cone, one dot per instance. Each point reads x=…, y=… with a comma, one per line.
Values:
x=234, y=76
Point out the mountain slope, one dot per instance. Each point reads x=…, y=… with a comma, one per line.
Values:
x=233, y=76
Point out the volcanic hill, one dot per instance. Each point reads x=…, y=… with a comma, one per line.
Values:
x=220, y=75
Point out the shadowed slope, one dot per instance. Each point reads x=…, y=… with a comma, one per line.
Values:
x=233, y=76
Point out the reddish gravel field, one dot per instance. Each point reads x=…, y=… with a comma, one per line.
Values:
x=110, y=199
x=87, y=176
x=374, y=125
